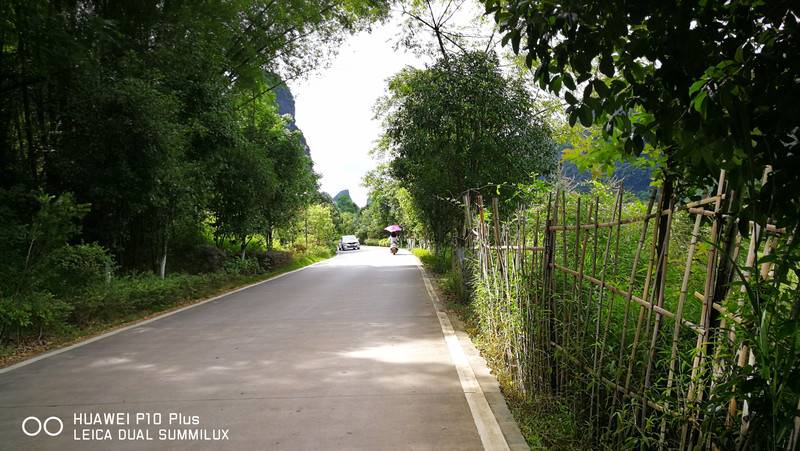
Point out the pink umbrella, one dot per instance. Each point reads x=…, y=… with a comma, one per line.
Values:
x=393, y=228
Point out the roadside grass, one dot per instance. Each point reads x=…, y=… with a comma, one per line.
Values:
x=132, y=298
x=545, y=423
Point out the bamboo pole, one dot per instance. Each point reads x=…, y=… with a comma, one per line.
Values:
x=663, y=259
x=679, y=316
x=619, y=223
x=708, y=301
x=584, y=317
x=565, y=306
x=553, y=244
x=598, y=315
x=620, y=292
x=629, y=296
x=535, y=281
x=546, y=296
x=618, y=207
x=645, y=294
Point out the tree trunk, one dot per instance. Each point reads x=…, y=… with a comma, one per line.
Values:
x=663, y=223
x=243, y=247
x=162, y=270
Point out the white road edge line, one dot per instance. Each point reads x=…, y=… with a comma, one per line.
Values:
x=147, y=321
x=489, y=430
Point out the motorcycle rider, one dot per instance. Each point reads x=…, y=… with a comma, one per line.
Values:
x=394, y=242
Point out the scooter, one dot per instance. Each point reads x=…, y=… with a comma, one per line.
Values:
x=393, y=249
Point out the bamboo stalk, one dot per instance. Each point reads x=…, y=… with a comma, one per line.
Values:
x=645, y=293
x=679, y=316
x=619, y=220
x=565, y=306
x=552, y=313
x=546, y=294
x=581, y=266
x=607, y=325
x=628, y=297
x=599, y=314
x=708, y=292
x=623, y=293
x=700, y=297
x=536, y=334
x=587, y=323
x=663, y=258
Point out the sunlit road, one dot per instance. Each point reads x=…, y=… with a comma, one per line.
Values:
x=347, y=354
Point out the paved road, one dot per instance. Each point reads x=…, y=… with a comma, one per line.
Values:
x=347, y=354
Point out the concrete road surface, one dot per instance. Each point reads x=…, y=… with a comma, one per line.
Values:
x=347, y=354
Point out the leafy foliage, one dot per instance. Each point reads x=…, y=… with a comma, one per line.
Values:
x=145, y=129
x=710, y=85
x=458, y=125
x=705, y=86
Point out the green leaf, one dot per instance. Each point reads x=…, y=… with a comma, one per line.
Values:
x=569, y=82
x=601, y=87
x=570, y=98
x=586, y=116
x=700, y=103
x=515, y=38
x=529, y=59
x=555, y=84
x=696, y=86
x=587, y=92
x=607, y=65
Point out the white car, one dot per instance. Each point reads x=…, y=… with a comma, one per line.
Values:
x=349, y=242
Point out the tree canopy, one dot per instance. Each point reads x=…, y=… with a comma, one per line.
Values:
x=158, y=114
x=711, y=85
x=458, y=125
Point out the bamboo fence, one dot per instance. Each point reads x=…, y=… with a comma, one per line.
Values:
x=622, y=303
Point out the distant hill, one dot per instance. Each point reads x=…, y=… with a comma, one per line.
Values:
x=285, y=101
x=634, y=179
x=344, y=202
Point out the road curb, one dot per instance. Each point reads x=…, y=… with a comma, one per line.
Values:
x=484, y=413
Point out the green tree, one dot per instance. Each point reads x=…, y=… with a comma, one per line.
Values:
x=319, y=225
x=136, y=106
x=711, y=85
x=459, y=125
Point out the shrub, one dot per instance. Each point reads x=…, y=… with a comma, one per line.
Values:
x=198, y=259
x=245, y=266
x=438, y=263
x=72, y=270
x=278, y=258
x=319, y=251
x=384, y=242
x=37, y=310
x=271, y=259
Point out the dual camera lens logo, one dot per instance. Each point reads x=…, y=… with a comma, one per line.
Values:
x=33, y=426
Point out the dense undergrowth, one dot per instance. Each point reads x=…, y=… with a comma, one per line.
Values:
x=96, y=304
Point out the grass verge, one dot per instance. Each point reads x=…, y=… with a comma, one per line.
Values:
x=173, y=292
x=545, y=423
